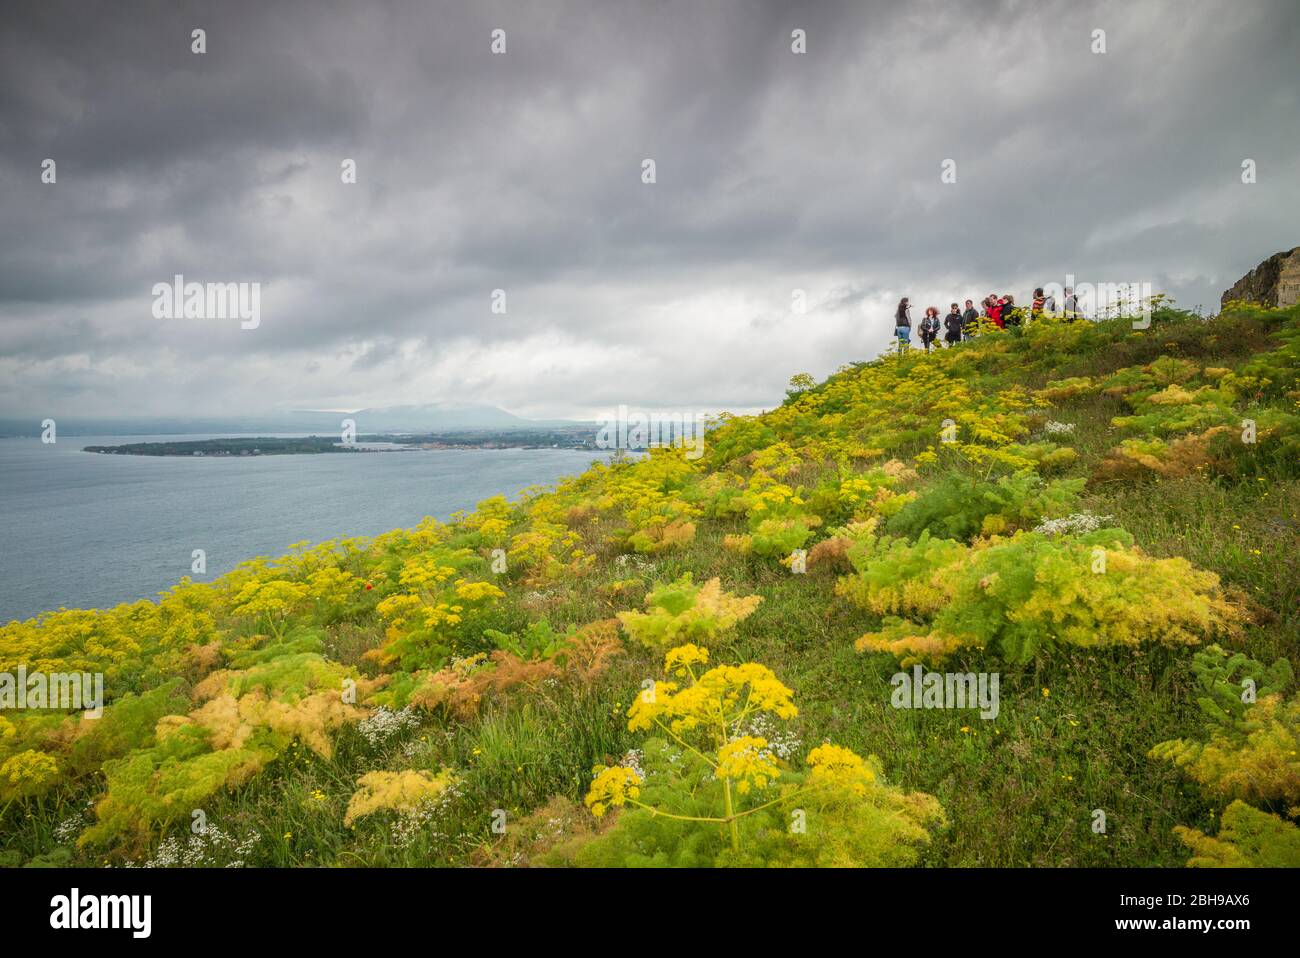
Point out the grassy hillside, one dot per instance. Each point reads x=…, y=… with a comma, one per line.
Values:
x=1105, y=518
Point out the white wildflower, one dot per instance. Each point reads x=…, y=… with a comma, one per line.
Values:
x=384, y=723
x=206, y=849
x=66, y=832
x=1074, y=524
x=410, y=824
x=781, y=743
x=639, y=563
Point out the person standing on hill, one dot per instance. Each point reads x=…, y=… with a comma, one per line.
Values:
x=1036, y=307
x=1009, y=315
x=952, y=324
x=995, y=312
x=1049, y=304
x=970, y=320
x=903, y=324
x=930, y=326
x=1071, y=304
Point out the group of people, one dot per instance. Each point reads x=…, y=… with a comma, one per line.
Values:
x=961, y=324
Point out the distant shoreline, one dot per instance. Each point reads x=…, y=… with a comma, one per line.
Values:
x=236, y=448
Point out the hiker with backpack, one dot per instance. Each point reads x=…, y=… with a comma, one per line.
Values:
x=903, y=324
x=952, y=324
x=930, y=326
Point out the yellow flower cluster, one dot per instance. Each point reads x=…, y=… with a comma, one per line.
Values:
x=477, y=591
x=26, y=773
x=422, y=571
x=833, y=765
x=716, y=701
x=678, y=661
x=611, y=788
x=273, y=600
x=747, y=762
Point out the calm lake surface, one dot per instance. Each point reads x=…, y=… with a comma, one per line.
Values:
x=82, y=530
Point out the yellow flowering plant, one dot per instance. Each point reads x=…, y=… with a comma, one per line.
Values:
x=1247, y=838
x=682, y=611
x=716, y=767
x=27, y=773
x=424, y=624
x=1017, y=595
x=270, y=602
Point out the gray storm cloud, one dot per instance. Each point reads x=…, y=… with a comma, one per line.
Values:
x=776, y=171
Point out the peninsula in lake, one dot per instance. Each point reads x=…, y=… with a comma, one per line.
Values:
x=570, y=437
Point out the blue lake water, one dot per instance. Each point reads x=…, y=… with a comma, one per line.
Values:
x=80, y=529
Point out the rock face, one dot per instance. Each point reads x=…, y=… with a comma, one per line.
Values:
x=1274, y=282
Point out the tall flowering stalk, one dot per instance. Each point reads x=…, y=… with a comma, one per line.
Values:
x=707, y=713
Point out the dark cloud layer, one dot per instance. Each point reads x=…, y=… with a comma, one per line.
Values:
x=521, y=172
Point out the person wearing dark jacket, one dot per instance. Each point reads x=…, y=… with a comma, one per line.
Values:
x=952, y=324
x=970, y=320
x=903, y=324
x=1008, y=315
x=930, y=326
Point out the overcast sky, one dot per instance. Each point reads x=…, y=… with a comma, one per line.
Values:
x=522, y=171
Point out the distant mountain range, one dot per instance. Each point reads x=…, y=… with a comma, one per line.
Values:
x=427, y=418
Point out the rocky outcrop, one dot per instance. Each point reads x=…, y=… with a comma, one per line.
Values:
x=1274, y=282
